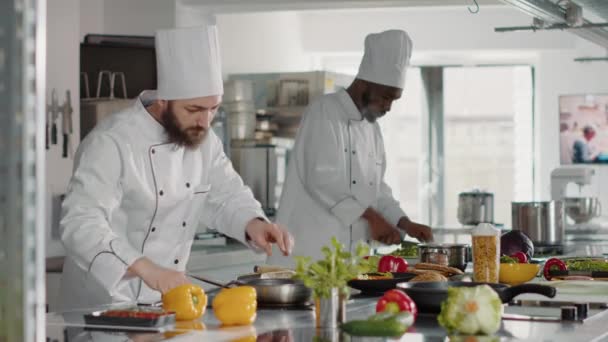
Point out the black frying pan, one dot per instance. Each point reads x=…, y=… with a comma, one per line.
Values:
x=379, y=286
x=429, y=295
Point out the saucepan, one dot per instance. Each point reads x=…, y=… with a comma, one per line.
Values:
x=271, y=292
x=428, y=296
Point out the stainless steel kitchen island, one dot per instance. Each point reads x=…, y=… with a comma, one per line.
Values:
x=299, y=325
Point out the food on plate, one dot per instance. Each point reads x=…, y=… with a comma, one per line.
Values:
x=135, y=313
x=587, y=264
x=521, y=257
x=471, y=310
x=375, y=276
x=380, y=325
x=236, y=306
x=407, y=250
x=369, y=264
x=188, y=301
x=553, y=264
x=508, y=260
x=428, y=276
x=575, y=265
x=439, y=268
x=389, y=263
x=516, y=241
x=485, y=258
x=395, y=301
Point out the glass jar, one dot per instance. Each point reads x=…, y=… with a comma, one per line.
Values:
x=486, y=253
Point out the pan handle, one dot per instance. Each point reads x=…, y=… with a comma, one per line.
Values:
x=509, y=293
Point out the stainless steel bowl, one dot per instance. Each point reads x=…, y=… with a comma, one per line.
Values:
x=281, y=291
x=582, y=209
x=453, y=255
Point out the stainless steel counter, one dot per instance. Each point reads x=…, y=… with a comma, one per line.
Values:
x=298, y=325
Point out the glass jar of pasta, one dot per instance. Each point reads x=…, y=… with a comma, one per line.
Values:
x=486, y=253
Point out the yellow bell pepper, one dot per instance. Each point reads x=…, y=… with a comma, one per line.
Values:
x=236, y=306
x=188, y=301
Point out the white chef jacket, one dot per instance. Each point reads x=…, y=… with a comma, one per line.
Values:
x=335, y=173
x=133, y=194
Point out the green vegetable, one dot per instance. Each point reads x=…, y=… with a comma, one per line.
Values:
x=382, y=324
x=370, y=265
x=592, y=265
x=333, y=271
x=508, y=260
x=471, y=310
x=407, y=250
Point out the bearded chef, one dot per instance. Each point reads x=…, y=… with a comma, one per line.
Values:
x=147, y=176
x=334, y=184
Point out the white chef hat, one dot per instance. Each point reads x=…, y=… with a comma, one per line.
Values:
x=387, y=55
x=188, y=63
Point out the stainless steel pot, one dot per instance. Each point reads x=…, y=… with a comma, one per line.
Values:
x=453, y=255
x=582, y=209
x=542, y=222
x=475, y=207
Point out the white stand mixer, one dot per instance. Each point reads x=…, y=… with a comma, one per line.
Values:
x=580, y=209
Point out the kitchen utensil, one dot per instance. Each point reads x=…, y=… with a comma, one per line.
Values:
x=379, y=286
x=238, y=90
x=241, y=125
x=475, y=207
x=542, y=222
x=515, y=274
x=582, y=209
x=428, y=296
x=453, y=255
x=280, y=291
x=66, y=123
x=268, y=268
x=270, y=291
x=138, y=317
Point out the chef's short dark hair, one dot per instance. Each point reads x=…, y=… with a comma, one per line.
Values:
x=588, y=129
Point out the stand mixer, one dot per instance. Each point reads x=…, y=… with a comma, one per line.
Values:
x=579, y=209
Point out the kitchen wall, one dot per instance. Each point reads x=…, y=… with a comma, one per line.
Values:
x=63, y=23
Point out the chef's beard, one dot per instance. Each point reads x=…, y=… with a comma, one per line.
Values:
x=369, y=114
x=190, y=137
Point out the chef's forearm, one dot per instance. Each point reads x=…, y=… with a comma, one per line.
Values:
x=139, y=267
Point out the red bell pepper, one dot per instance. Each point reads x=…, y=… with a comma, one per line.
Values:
x=521, y=257
x=389, y=263
x=395, y=301
x=553, y=264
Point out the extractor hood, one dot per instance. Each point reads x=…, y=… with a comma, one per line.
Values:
x=554, y=15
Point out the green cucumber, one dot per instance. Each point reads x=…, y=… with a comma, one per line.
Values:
x=381, y=328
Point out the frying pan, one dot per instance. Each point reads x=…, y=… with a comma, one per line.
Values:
x=271, y=292
x=429, y=295
x=379, y=286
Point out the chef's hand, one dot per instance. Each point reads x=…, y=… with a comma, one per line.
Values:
x=157, y=277
x=380, y=229
x=416, y=230
x=263, y=234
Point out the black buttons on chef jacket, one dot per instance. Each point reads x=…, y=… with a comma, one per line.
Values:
x=187, y=185
x=153, y=151
x=346, y=150
x=354, y=182
x=176, y=261
x=184, y=224
x=161, y=193
x=354, y=152
x=153, y=229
